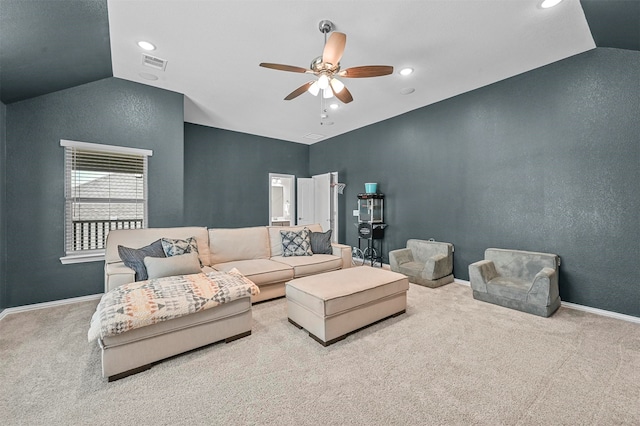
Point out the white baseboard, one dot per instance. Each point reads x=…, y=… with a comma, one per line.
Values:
x=602, y=312
x=17, y=309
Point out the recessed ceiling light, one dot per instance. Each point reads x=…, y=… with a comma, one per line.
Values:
x=334, y=106
x=406, y=71
x=546, y=4
x=146, y=45
x=407, y=90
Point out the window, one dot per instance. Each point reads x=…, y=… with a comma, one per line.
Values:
x=105, y=189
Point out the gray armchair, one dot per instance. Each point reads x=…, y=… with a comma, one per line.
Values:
x=428, y=263
x=522, y=280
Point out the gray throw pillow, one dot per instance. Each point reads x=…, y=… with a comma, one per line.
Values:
x=184, y=264
x=134, y=258
x=296, y=243
x=321, y=242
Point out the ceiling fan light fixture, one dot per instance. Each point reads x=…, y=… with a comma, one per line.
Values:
x=406, y=71
x=336, y=85
x=323, y=81
x=314, y=89
x=327, y=93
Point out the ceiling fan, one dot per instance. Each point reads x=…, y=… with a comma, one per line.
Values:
x=327, y=69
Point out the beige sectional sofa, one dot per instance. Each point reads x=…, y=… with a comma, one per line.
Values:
x=255, y=251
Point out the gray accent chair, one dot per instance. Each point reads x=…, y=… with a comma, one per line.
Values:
x=427, y=263
x=522, y=280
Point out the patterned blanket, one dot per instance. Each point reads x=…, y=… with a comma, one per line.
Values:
x=144, y=303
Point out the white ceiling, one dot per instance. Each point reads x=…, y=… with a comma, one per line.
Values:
x=213, y=49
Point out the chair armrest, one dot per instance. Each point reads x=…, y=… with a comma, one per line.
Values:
x=544, y=289
x=343, y=251
x=437, y=266
x=480, y=273
x=398, y=257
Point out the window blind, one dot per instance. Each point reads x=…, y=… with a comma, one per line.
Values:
x=105, y=189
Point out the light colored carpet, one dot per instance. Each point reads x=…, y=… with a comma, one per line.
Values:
x=448, y=360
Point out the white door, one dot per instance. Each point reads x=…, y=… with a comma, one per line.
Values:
x=322, y=197
x=305, y=203
x=318, y=202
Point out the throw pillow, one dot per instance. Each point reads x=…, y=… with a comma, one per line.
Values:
x=158, y=267
x=296, y=243
x=176, y=247
x=321, y=242
x=134, y=258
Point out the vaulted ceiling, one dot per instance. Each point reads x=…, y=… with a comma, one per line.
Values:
x=213, y=49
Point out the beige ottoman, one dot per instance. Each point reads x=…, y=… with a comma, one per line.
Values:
x=332, y=305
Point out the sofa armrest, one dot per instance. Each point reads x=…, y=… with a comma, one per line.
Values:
x=544, y=289
x=343, y=251
x=117, y=274
x=437, y=267
x=398, y=257
x=480, y=273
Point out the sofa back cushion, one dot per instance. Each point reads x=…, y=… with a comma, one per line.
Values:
x=424, y=249
x=136, y=238
x=523, y=265
x=275, y=239
x=227, y=245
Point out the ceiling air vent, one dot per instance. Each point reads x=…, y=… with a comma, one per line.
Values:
x=154, y=62
x=313, y=136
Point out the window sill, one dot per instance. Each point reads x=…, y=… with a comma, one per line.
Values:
x=96, y=256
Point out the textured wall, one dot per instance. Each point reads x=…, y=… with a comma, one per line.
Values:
x=545, y=161
x=109, y=111
x=227, y=175
x=3, y=204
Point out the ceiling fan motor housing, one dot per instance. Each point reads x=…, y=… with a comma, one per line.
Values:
x=325, y=26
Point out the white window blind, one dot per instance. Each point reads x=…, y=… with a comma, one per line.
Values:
x=105, y=189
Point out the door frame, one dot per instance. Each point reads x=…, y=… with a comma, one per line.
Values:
x=292, y=195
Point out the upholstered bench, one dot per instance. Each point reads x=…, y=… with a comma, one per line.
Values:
x=334, y=304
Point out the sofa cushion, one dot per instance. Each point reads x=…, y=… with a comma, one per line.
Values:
x=310, y=265
x=511, y=288
x=184, y=264
x=275, y=240
x=227, y=245
x=321, y=242
x=260, y=271
x=134, y=258
x=296, y=243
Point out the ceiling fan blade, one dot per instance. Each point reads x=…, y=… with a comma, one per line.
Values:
x=366, y=71
x=299, y=91
x=281, y=67
x=344, y=95
x=334, y=48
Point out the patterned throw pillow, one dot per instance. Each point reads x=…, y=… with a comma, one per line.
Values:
x=134, y=258
x=176, y=247
x=321, y=242
x=296, y=243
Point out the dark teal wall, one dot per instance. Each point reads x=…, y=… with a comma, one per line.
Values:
x=227, y=175
x=109, y=111
x=545, y=161
x=3, y=204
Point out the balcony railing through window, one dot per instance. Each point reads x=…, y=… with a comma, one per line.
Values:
x=92, y=234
